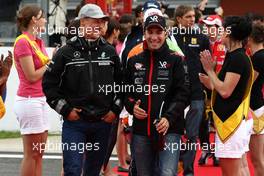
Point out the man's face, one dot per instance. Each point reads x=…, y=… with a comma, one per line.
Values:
x=212, y=32
x=155, y=37
x=91, y=28
x=187, y=20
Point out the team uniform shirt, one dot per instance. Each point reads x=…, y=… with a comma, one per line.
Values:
x=236, y=62
x=256, y=100
x=191, y=46
x=218, y=54
x=22, y=49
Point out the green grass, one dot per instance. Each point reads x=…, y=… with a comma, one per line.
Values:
x=9, y=134
x=16, y=134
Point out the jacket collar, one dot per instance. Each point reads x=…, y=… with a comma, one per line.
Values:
x=163, y=49
x=82, y=43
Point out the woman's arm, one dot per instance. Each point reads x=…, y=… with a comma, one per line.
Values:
x=28, y=68
x=224, y=88
x=205, y=80
x=256, y=74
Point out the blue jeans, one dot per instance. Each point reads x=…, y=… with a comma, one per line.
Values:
x=192, y=126
x=150, y=162
x=84, y=142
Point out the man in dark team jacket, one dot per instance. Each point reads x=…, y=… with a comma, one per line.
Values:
x=75, y=85
x=192, y=42
x=160, y=93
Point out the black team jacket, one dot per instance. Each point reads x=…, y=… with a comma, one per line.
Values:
x=163, y=73
x=78, y=75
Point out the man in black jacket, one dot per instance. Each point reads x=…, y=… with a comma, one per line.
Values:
x=192, y=42
x=156, y=97
x=75, y=85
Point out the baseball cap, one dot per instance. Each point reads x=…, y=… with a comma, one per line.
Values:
x=152, y=11
x=213, y=20
x=155, y=20
x=91, y=11
x=151, y=4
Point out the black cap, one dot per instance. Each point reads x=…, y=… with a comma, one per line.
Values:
x=151, y=4
x=155, y=20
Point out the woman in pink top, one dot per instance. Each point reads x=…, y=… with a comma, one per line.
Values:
x=30, y=106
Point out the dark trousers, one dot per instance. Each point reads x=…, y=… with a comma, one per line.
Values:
x=84, y=146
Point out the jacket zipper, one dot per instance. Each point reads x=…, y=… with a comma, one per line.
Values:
x=91, y=73
x=150, y=85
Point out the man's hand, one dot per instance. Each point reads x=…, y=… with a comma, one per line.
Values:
x=74, y=114
x=109, y=117
x=138, y=112
x=163, y=126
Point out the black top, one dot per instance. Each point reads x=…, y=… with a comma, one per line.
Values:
x=236, y=62
x=256, y=100
x=191, y=45
x=133, y=38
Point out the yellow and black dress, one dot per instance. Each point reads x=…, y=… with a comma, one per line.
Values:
x=256, y=99
x=228, y=113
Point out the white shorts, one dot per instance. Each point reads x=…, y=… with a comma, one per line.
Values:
x=32, y=114
x=237, y=144
x=258, y=113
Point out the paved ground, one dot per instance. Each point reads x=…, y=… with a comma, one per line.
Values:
x=11, y=156
x=10, y=167
x=51, y=167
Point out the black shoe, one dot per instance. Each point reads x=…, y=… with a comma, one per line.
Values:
x=215, y=161
x=204, y=157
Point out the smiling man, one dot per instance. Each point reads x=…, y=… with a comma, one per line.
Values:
x=158, y=113
x=72, y=87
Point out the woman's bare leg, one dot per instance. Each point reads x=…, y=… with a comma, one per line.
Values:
x=34, y=146
x=230, y=166
x=257, y=153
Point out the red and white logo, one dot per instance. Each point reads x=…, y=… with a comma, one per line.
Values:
x=138, y=66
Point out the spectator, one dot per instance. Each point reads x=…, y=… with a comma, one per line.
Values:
x=111, y=35
x=191, y=43
x=57, y=22
x=5, y=67
x=112, y=32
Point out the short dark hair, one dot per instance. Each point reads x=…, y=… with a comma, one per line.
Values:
x=126, y=18
x=255, y=17
x=25, y=15
x=72, y=29
x=182, y=10
x=111, y=26
x=240, y=27
x=138, y=10
x=257, y=33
